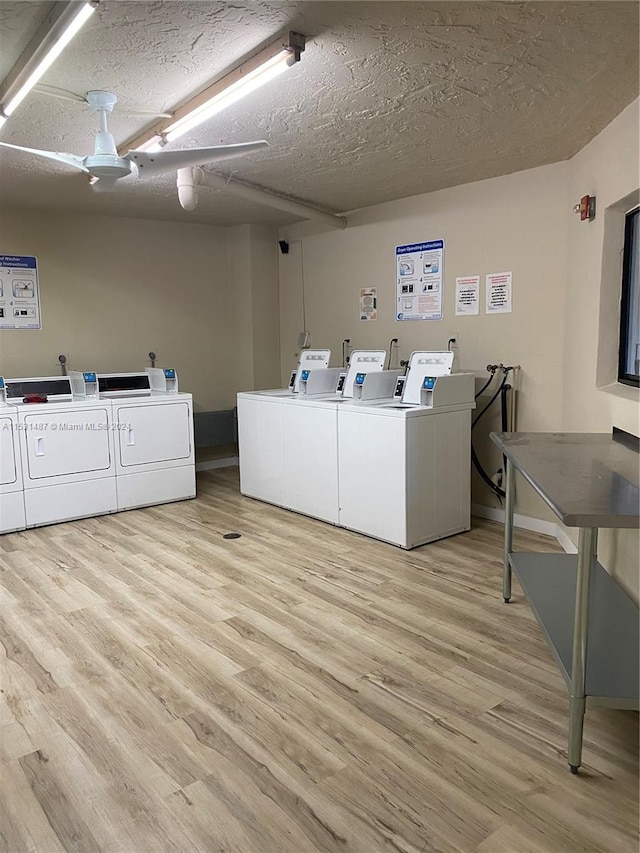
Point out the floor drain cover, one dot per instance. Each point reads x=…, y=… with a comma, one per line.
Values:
x=231, y=536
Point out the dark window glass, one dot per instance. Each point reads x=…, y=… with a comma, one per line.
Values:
x=629, y=366
x=137, y=382
x=43, y=387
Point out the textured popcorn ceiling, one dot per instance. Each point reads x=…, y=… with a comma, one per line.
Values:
x=390, y=99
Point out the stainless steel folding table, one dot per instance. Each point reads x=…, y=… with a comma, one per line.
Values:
x=590, y=481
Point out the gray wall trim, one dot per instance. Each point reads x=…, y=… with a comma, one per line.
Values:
x=213, y=429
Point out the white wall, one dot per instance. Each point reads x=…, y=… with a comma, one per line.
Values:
x=523, y=223
x=608, y=169
x=265, y=308
x=112, y=289
x=517, y=222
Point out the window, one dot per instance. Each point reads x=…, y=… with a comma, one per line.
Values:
x=629, y=363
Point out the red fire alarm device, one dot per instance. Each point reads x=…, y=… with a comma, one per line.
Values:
x=586, y=207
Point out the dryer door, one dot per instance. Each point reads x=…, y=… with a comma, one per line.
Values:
x=159, y=434
x=8, y=451
x=67, y=446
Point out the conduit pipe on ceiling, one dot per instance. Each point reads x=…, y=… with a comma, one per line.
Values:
x=190, y=178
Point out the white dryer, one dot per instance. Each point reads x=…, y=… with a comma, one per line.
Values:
x=153, y=437
x=66, y=449
x=12, y=516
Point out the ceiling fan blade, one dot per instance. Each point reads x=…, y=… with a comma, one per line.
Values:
x=151, y=164
x=59, y=157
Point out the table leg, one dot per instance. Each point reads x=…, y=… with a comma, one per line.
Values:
x=508, y=529
x=587, y=544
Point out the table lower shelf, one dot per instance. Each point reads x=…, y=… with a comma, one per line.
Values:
x=613, y=659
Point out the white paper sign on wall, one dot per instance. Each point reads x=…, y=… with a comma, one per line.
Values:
x=467, y=295
x=499, y=293
x=369, y=303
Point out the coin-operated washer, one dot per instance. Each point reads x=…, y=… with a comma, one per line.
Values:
x=361, y=364
x=66, y=449
x=310, y=361
x=421, y=366
x=405, y=464
x=153, y=436
x=12, y=515
x=289, y=440
x=376, y=385
x=310, y=435
x=288, y=447
x=270, y=428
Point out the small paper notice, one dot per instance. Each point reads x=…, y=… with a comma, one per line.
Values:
x=369, y=303
x=468, y=295
x=499, y=292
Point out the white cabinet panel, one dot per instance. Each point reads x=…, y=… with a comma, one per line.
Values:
x=311, y=461
x=260, y=439
x=8, y=451
x=156, y=487
x=12, y=515
x=372, y=464
x=55, y=503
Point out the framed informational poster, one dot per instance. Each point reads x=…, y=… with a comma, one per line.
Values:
x=419, y=277
x=19, y=292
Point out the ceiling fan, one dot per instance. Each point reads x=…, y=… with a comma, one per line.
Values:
x=106, y=166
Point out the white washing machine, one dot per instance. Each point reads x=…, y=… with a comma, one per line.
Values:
x=261, y=444
x=66, y=449
x=310, y=457
x=288, y=438
x=288, y=447
x=153, y=437
x=289, y=452
x=12, y=515
x=405, y=470
x=396, y=470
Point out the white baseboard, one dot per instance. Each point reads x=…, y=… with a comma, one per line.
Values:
x=526, y=522
x=224, y=462
x=565, y=540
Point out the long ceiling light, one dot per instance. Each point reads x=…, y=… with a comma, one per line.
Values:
x=55, y=33
x=233, y=86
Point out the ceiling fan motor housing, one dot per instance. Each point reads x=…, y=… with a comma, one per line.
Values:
x=107, y=165
x=105, y=162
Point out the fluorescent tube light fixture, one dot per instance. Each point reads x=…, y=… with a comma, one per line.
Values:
x=60, y=26
x=236, y=84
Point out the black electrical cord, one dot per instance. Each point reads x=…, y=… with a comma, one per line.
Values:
x=491, y=401
x=494, y=488
x=486, y=384
x=504, y=417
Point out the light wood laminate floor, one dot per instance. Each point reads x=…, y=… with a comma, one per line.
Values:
x=299, y=689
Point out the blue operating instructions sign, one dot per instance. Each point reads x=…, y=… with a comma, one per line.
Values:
x=419, y=279
x=19, y=292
